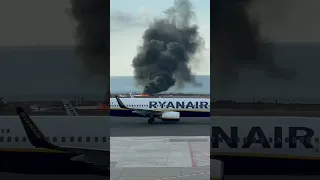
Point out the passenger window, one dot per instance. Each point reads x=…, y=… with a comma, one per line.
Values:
x=96, y=139
x=63, y=139
x=24, y=139
x=104, y=139
x=79, y=139
x=316, y=140
x=88, y=139
x=16, y=139
x=72, y=139
x=1, y=139
x=9, y=139
x=54, y=139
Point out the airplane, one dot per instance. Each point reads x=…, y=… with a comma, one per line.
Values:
x=257, y=145
x=166, y=109
x=141, y=95
x=64, y=145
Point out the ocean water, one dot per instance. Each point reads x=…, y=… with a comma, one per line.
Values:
x=126, y=84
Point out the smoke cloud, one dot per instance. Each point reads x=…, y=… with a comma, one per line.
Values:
x=92, y=33
x=239, y=45
x=168, y=47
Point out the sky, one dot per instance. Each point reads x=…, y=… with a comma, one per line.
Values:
x=129, y=19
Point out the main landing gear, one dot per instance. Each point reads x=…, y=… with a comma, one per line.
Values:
x=151, y=120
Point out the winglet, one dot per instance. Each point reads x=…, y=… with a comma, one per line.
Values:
x=3, y=101
x=120, y=103
x=69, y=108
x=35, y=136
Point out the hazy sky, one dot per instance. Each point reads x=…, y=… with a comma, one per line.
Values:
x=129, y=19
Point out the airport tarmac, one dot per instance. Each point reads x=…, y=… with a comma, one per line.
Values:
x=138, y=126
x=160, y=158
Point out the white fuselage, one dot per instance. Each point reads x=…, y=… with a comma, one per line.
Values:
x=75, y=131
x=175, y=104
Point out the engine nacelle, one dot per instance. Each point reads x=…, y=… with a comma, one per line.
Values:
x=170, y=115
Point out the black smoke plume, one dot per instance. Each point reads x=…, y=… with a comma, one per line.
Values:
x=92, y=34
x=168, y=46
x=237, y=43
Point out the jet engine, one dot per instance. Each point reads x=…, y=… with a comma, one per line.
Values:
x=170, y=116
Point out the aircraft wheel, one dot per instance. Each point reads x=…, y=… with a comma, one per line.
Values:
x=150, y=121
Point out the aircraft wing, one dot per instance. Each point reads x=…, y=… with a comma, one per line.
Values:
x=69, y=108
x=99, y=157
x=143, y=112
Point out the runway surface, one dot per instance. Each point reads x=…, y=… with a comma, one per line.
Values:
x=138, y=126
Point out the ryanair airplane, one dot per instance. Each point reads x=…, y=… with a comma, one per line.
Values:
x=258, y=145
x=67, y=145
x=166, y=109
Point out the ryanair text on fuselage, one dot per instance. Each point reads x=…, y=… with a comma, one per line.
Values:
x=257, y=136
x=177, y=104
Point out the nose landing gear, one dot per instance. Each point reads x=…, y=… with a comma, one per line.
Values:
x=151, y=120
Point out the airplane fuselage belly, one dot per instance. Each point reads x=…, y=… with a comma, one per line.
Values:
x=130, y=113
x=243, y=165
x=42, y=163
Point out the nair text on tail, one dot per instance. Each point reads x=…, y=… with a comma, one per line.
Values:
x=258, y=145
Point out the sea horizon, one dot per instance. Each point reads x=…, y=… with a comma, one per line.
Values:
x=116, y=85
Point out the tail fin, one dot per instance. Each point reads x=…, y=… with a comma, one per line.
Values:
x=35, y=136
x=3, y=101
x=69, y=108
x=131, y=96
x=121, y=103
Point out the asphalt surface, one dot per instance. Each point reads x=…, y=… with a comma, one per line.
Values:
x=138, y=126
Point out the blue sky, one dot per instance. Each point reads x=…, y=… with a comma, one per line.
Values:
x=202, y=7
x=131, y=18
